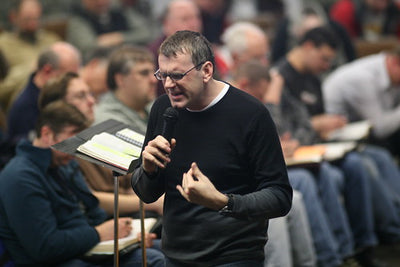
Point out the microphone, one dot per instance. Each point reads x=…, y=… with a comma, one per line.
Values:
x=170, y=118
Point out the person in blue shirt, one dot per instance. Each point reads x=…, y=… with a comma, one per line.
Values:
x=48, y=216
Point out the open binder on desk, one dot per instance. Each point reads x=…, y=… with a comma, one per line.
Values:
x=340, y=142
x=111, y=144
x=354, y=131
x=313, y=155
x=126, y=243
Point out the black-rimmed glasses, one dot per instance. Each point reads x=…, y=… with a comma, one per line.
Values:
x=162, y=76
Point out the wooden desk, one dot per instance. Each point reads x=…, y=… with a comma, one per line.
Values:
x=365, y=48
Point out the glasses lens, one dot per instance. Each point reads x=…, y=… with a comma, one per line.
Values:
x=161, y=76
x=176, y=76
x=145, y=72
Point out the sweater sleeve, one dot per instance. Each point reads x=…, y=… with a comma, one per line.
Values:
x=273, y=195
x=148, y=188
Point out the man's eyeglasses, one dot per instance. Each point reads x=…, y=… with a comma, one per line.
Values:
x=145, y=72
x=162, y=76
x=82, y=95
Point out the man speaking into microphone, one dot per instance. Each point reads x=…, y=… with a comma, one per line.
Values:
x=217, y=157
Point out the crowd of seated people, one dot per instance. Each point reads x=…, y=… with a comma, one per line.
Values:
x=305, y=67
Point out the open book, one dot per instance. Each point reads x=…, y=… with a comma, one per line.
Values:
x=118, y=149
x=314, y=154
x=351, y=132
x=107, y=247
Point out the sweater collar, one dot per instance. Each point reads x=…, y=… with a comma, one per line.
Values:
x=41, y=157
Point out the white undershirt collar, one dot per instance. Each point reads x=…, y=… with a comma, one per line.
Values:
x=215, y=100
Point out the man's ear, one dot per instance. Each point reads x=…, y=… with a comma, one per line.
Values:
x=308, y=45
x=118, y=78
x=394, y=60
x=208, y=71
x=243, y=83
x=94, y=62
x=236, y=60
x=46, y=135
x=47, y=69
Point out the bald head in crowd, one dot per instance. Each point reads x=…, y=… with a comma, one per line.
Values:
x=69, y=56
x=181, y=15
x=246, y=41
x=61, y=57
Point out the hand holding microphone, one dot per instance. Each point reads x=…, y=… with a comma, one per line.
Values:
x=156, y=153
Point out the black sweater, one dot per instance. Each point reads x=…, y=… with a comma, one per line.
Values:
x=235, y=144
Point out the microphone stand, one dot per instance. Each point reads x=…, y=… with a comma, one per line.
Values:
x=142, y=242
x=116, y=217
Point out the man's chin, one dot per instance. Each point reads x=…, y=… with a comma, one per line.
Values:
x=90, y=118
x=65, y=161
x=28, y=36
x=177, y=103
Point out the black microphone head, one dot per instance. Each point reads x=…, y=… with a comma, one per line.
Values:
x=170, y=118
x=170, y=114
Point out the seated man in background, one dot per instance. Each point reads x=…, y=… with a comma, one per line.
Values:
x=369, y=89
x=302, y=114
x=59, y=58
x=132, y=88
x=310, y=16
x=99, y=23
x=48, y=215
x=22, y=46
x=71, y=88
x=27, y=39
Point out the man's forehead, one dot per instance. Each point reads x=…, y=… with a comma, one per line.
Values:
x=69, y=130
x=77, y=85
x=143, y=65
x=178, y=57
x=328, y=51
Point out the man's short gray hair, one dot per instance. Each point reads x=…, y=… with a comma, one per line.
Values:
x=235, y=36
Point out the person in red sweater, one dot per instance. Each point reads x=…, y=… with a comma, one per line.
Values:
x=368, y=19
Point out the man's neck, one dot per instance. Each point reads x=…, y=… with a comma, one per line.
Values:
x=37, y=142
x=211, y=91
x=39, y=80
x=29, y=37
x=83, y=73
x=295, y=58
x=131, y=103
